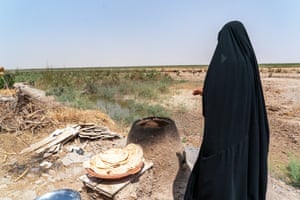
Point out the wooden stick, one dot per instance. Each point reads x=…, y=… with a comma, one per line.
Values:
x=22, y=175
x=5, y=158
x=7, y=153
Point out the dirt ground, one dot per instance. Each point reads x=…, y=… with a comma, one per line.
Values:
x=282, y=95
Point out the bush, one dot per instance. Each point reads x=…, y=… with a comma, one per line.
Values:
x=7, y=81
x=294, y=172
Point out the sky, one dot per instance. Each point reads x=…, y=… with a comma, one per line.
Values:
x=70, y=33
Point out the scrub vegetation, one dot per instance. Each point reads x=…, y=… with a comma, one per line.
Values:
x=294, y=172
x=125, y=95
x=6, y=80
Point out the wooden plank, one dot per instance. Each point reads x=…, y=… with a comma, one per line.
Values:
x=110, y=187
x=6, y=98
x=43, y=142
x=35, y=94
x=67, y=134
x=86, y=124
x=96, y=135
x=87, y=129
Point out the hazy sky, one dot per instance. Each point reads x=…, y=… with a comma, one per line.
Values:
x=37, y=33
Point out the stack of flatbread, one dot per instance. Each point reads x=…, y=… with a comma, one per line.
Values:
x=116, y=163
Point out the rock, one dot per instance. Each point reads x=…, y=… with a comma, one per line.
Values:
x=3, y=186
x=5, y=198
x=52, y=172
x=39, y=182
x=50, y=187
x=5, y=180
x=29, y=194
x=46, y=165
x=51, y=179
x=77, y=171
x=35, y=170
x=45, y=175
x=73, y=157
x=77, y=150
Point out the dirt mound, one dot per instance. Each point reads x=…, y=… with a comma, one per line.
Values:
x=64, y=115
x=25, y=114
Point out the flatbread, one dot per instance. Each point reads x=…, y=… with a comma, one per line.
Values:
x=113, y=156
x=116, y=161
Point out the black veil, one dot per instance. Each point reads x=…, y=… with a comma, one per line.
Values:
x=232, y=163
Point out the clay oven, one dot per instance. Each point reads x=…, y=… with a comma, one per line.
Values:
x=160, y=141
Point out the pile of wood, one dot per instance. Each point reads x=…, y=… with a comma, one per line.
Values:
x=53, y=142
x=23, y=112
x=28, y=108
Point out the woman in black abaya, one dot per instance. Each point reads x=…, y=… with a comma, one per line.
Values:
x=232, y=162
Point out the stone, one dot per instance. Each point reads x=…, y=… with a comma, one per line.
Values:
x=3, y=186
x=35, y=170
x=46, y=165
x=50, y=187
x=5, y=198
x=29, y=194
x=77, y=171
x=39, y=182
x=5, y=180
x=73, y=157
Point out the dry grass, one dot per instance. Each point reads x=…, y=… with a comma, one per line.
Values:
x=66, y=115
x=7, y=92
x=25, y=114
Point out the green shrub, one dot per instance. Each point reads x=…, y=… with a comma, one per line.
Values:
x=71, y=97
x=294, y=172
x=146, y=92
x=106, y=92
x=7, y=80
x=30, y=77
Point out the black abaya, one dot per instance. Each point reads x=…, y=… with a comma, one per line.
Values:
x=232, y=162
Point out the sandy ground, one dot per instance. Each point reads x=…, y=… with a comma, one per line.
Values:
x=282, y=94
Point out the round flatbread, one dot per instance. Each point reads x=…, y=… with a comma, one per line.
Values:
x=116, y=161
x=114, y=156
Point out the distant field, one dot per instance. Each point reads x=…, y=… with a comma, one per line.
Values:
x=112, y=68
x=280, y=65
x=138, y=68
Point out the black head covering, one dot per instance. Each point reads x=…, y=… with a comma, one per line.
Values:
x=232, y=163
